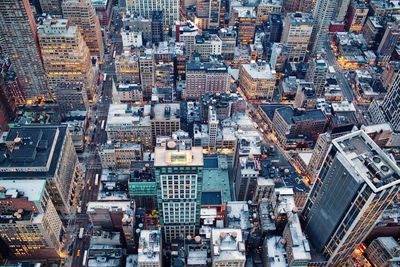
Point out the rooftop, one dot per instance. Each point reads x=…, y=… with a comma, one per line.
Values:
x=165, y=156
x=369, y=163
x=149, y=246
x=170, y=111
x=122, y=114
x=111, y=206
x=259, y=70
x=227, y=244
x=292, y=116
x=238, y=215
x=32, y=151
x=216, y=178
x=31, y=189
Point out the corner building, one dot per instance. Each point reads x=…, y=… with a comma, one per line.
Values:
x=355, y=184
x=179, y=177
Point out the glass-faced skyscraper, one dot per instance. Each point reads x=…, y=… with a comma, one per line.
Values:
x=355, y=184
x=179, y=176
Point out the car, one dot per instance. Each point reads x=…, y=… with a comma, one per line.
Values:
x=78, y=252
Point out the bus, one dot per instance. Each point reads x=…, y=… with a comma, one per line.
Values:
x=105, y=77
x=96, y=180
x=102, y=124
x=81, y=232
x=114, y=54
x=84, y=258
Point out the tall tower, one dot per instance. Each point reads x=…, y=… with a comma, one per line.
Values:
x=66, y=57
x=296, y=35
x=18, y=39
x=390, y=105
x=357, y=181
x=82, y=13
x=179, y=178
x=52, y=7
x=212, y=127
x=389, y=41
x=323, y=15
x=316, y=73
x=145, y=8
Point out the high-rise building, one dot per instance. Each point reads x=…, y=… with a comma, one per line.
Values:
x=227, y=248
x=228, y=38
x=296, y=35
x=246, y=21
x=44, y=152
x=18, y=39
x=51, y=7
x=382, y=251
x=389, y=41
x=147, y=74
x=266, y=8
x=187, y=34
x=150, y=249
x=316, y=73
x=129, y=124
x=82, y=14
x=257, y=80
x=145, y=8
x=166, y=120
x=127, y=68
x=275, y=27
x=246, y=178
x=179, y=176
x=373, y=31
x=356, y=183
x=356, y=16
x=208, y=45
x=390, y=105
x=212, y=127
x=157, y=27
x=30, y=227
x=202, y=78
x=317, y=158
x=66, y=57
x=323, y=15
x=341, y=8
x=208, y=13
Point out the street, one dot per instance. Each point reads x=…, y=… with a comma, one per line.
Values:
x=93, y=167
x=343, y=83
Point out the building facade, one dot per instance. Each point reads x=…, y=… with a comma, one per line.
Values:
x=296, y=35
x=356, y=183
x=66, y=57
x=179, y=177
x=82, y=14
x=18, y=39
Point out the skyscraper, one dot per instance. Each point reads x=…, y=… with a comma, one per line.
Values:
x=389, y=41
x=316, y=73
x=82, y=13
x=356, y=16
x=51, y=7
x=390, y=105
x=66, y=57
x=179, y=176
x=296, y=35
x=356, y=183
x=145, y=8
x=323, y=15
x=18, y=39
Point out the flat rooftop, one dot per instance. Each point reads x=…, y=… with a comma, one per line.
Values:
x=367, y=160
x=170, y=111
x=227, y=244
x=215, y=181
x=122, y=114
x=191, y=157
x=260, y=71
x=31, y=151
x=149, y=246
x=32, y=189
